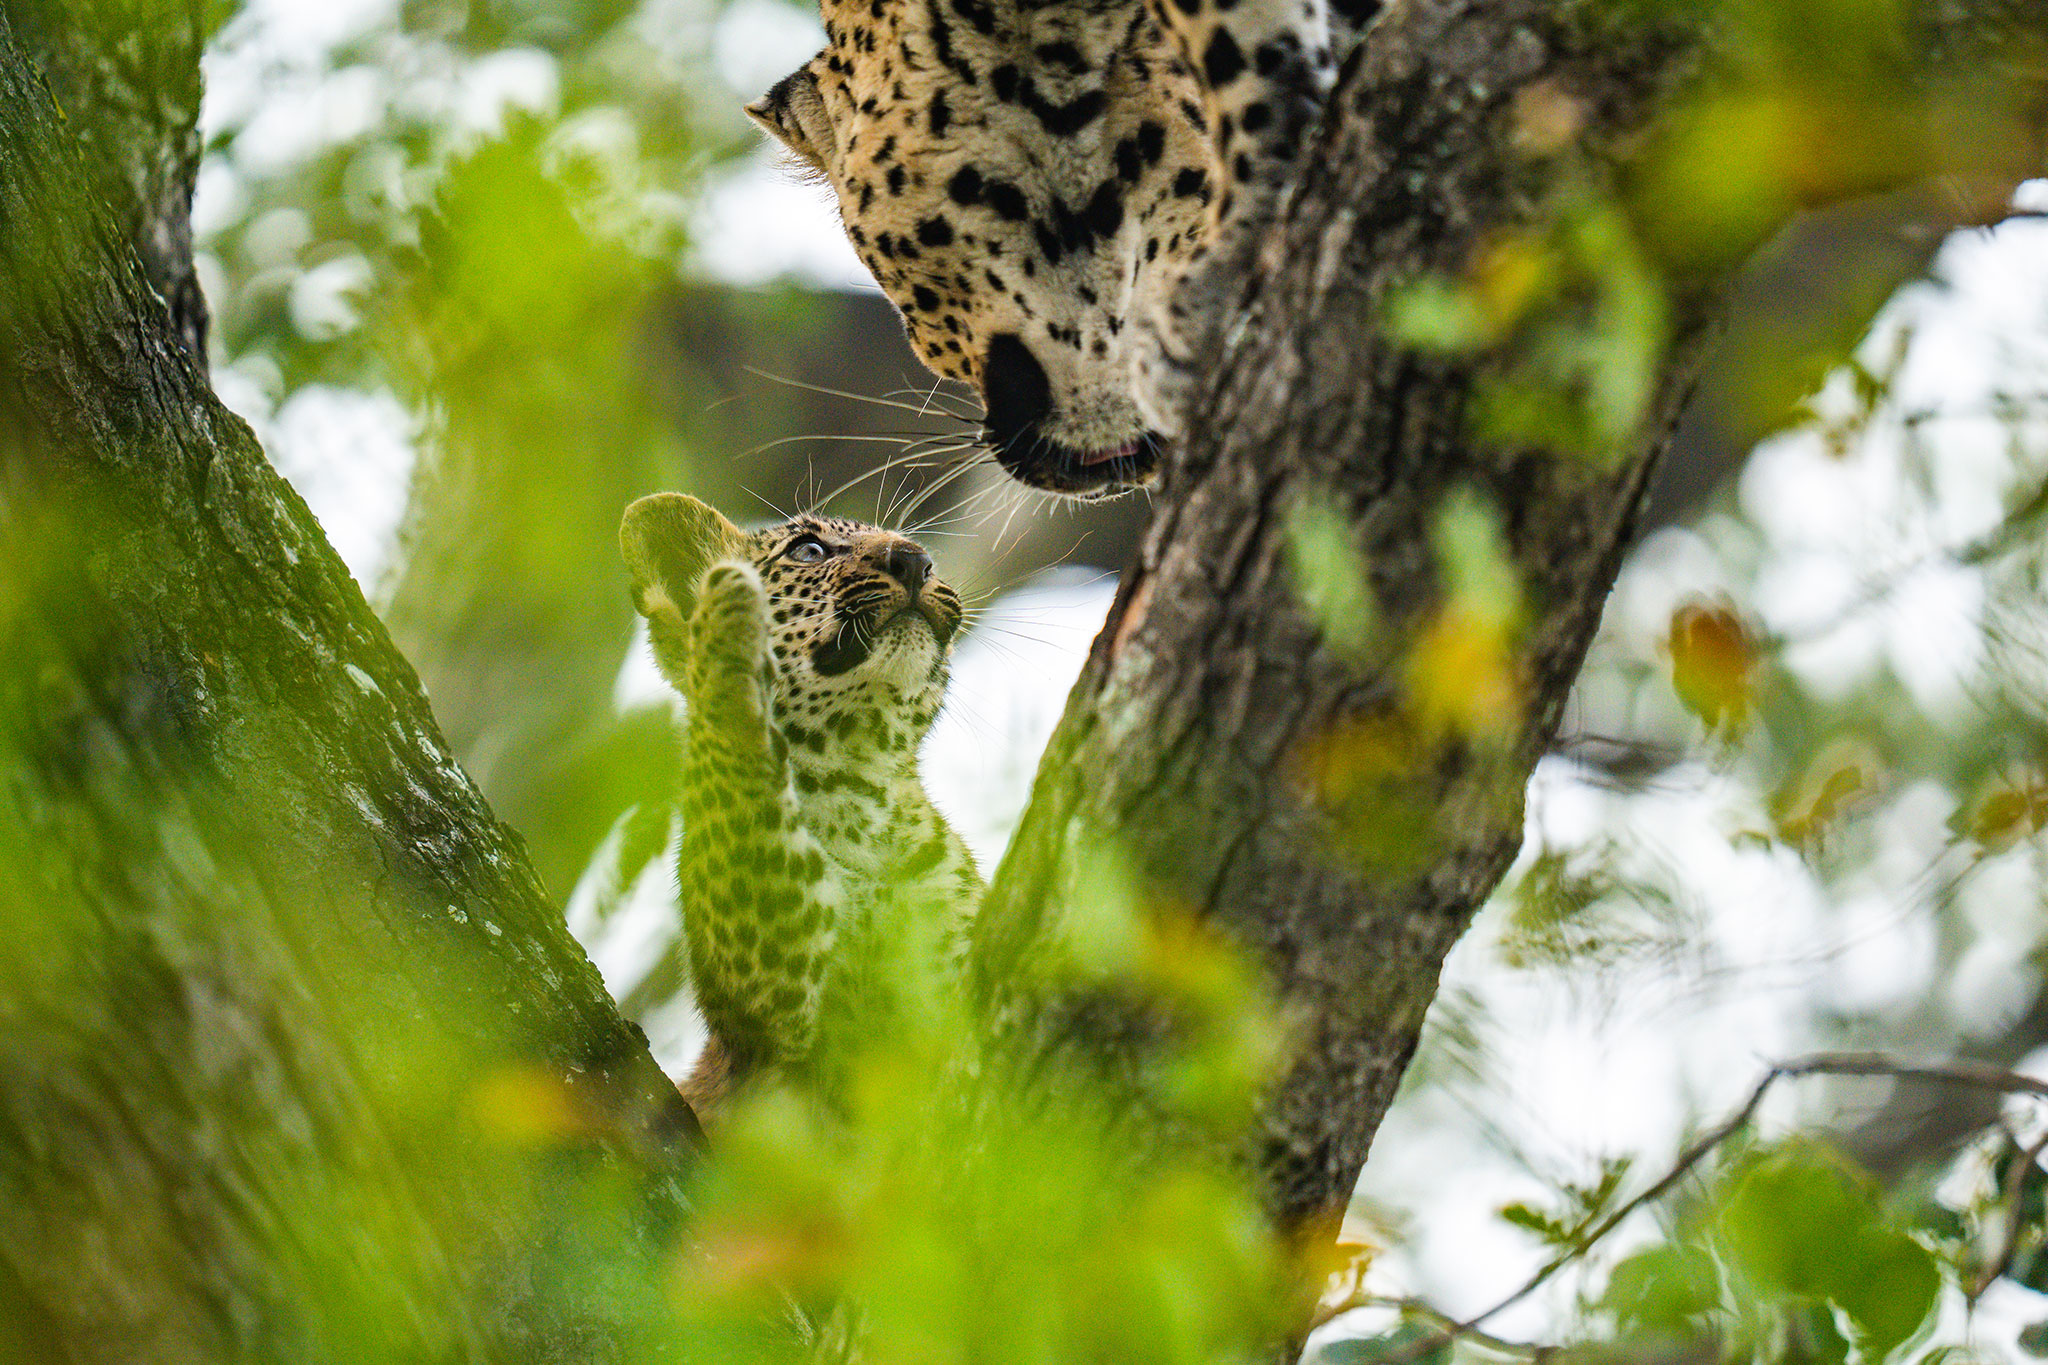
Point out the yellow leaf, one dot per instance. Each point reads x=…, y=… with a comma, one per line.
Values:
x=1462, y=676
x=1712, y=659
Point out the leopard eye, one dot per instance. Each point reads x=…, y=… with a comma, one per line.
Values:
x=807, y=550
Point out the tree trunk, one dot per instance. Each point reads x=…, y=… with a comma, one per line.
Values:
x=302, y=1063
x=1293, y=789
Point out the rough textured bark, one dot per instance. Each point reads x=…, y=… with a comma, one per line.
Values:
x=297, y=1045
x=1189, y=738
x=123, y=77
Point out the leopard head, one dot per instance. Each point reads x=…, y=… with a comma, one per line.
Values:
x=1022, y=180
x=860, y=628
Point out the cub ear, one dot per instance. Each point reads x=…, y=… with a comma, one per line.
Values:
x=793, y=113
x=669, y=540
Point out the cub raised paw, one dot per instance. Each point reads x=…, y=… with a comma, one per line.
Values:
x=729, y=637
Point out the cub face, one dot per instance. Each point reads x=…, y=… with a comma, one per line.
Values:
x=1024, y=183
x=854, y=616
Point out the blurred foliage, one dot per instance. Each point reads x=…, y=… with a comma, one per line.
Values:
x=1463, y=675
x=1578, y=316
x=509, y=276
x=518, y=331
x=482, y=213
x=1787, y=1254
x=956, y=1207
x=1803, y=105
x=1458, y=671
x=1584, y=1206
x=1330, y=579
x=1578, y=908
x=1712, y=655
x=274, y=1087
x=1899, y=809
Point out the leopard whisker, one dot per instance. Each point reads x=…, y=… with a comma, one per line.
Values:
x=830, y=392
x=905, y=438
x=929, y=457
x=983, y=595
x=948, y=404
x=767, y=502
x=932, y=489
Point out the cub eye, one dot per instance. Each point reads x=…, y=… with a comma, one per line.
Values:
x=807, y=550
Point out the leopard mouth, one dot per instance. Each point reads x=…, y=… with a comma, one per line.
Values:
x=1073, y=472
x=1018, y=401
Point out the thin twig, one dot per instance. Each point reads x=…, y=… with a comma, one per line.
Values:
x=1411, y=1307
x=1971, y=1074
x=2015, y=1215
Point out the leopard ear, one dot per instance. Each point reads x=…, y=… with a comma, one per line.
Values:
x=793, y=113
x=669, y=540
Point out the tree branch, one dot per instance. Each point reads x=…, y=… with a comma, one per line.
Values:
x=1967, y=1074
x=124, y=75
x=2015, y=1218
x=1239, y=758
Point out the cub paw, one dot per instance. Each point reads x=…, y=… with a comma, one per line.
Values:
x=730, y=622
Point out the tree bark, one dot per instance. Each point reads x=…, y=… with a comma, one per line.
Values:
x=302, y=1062
x=1200, y=734
x=124, y=78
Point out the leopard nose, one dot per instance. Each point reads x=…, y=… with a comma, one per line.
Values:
x=908, y=565
x=1016, y=396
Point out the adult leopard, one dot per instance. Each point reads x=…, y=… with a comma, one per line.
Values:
x=1056, y=194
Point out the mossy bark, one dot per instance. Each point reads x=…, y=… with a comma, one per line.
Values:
x=299, y=1050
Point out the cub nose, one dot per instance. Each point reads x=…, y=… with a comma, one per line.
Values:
x=908, y=565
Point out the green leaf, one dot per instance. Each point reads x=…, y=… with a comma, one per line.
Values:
x=1532, y=1219
x=1397, y=1343
x=1812, y=1338
x=1894, y=1293
x=1663, y=1290
x=1472, y=551
x=1791, y=1220
x=1438, y=314
x=1799, y=1223
x=1331, y=577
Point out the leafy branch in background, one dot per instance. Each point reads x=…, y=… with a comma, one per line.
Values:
x=1780, y=1230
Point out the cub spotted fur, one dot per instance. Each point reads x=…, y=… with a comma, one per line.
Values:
x=1059, y=198
x=812, y=658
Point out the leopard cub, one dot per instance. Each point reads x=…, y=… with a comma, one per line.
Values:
x=812, y=658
